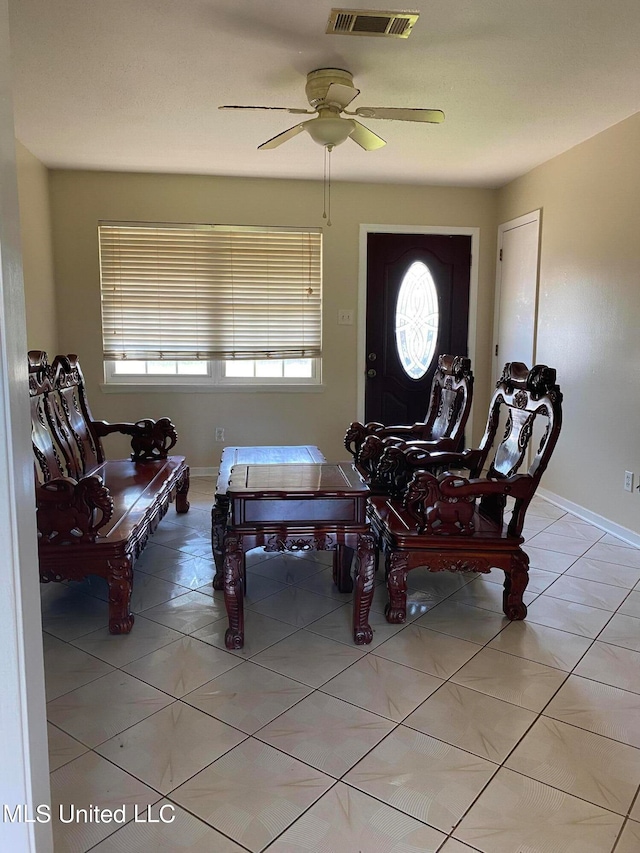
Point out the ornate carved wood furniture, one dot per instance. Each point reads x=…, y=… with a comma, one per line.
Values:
x=297, y=508
x=453, y=523
x=94, y=516
x=442, y=429
x=265, y=455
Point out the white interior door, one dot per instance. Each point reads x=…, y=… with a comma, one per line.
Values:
x=517, y=291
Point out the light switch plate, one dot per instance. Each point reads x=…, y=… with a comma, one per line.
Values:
x=345, y=317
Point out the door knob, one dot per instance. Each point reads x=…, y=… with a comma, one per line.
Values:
x=371, y=372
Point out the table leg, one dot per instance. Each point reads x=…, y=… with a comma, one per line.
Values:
x=233, y=591
x=219, y=514
x=342, y=560
x=364, y=582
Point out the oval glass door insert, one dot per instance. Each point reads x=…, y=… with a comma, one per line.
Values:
x=417, y=320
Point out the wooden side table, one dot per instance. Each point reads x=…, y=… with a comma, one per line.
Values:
x=297, y=508
x=258, y=455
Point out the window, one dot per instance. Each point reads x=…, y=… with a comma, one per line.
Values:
x=210, y=304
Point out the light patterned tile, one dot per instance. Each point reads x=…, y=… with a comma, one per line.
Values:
x=260, y=632
x=576, y=529
x=421, y=776
x=192, y=573
x=349, y=821
x=453, y=846
x=429, y=651
x=521, y=682
x=285, y=568
x=248, y=696
x=62, y=747
x=613, y=554
x=631, y=605
x=182, y=666
x=72, y=613
x=568, y=616
x=608, y=539
x=309, y=658
x=66, y=668
x=156, y=558
x=598, y=708
x=487, y=596
x=174, y=830
x=534, y=524
x=548, y=561
x=545, y=509
x=99, y=710
x=296, y=606
x=539, y=580
x=581, y=591
x=90, y=781
x=622, y=631
x=119, y=649
x=472, y=721
x=539, y=643
x=338, y=625
x=603, y=572
x=464, y=621
x=326, y=733
x=322, y=584
x=253, y=793
x=630, y=838
x=561, y=544
x=382, y=686
x=515, y=813
x=171, y=746
x=580, y=763
x=149, y=590
x=189, y=612
x=611, y=665
x=257, y=588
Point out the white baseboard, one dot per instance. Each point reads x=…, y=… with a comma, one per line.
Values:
x=204, y=472
x=600, y=521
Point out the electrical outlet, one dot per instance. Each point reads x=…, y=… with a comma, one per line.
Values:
x=219, y=433
x=628, y=481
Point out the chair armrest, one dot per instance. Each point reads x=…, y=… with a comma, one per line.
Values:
x=446, y=504
x=356, y=434
x=71, y=511
x=150, y=440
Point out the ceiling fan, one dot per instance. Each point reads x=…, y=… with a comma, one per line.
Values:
x=329, y=92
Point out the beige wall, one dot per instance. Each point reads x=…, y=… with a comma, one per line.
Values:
x=589, y=312
x=81, y=199
x=37, y=252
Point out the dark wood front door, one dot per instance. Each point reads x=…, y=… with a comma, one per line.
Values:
x=432, y=317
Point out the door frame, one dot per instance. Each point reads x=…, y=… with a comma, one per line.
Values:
x=533, y=216
x=368, y=228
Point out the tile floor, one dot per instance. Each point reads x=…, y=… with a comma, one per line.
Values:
x=456, y=732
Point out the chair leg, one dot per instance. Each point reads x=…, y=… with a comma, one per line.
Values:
x=396, y=609
x=515, y=583
x=120, y=581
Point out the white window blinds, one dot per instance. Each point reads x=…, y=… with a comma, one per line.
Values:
x=209, y=292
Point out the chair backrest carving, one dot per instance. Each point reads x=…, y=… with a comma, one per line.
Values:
x=525, y=395
x=450, y=401
x=63, y=440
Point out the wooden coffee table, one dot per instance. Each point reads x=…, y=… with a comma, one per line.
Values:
x=265, y=455
x=297, y=508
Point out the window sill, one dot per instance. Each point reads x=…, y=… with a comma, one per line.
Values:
x=203, y=388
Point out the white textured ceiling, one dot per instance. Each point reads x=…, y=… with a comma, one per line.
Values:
x=135, y=84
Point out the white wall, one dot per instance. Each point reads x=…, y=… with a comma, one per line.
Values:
x=24, y=767
x=81, y=199
x=589, y=312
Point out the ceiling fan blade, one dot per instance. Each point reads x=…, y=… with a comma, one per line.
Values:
x=285, y=136
x=400, y=114
x=366, y=138
x=284, y=109
x=342, y=95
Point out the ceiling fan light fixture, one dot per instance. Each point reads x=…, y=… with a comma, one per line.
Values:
x=329, y=131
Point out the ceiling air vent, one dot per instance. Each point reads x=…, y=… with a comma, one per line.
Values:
x=364, y=22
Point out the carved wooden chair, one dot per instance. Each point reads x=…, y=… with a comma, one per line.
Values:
x=449, y=522
x=442, y=429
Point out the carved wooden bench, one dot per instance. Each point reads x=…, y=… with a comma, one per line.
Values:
x=94, y=516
